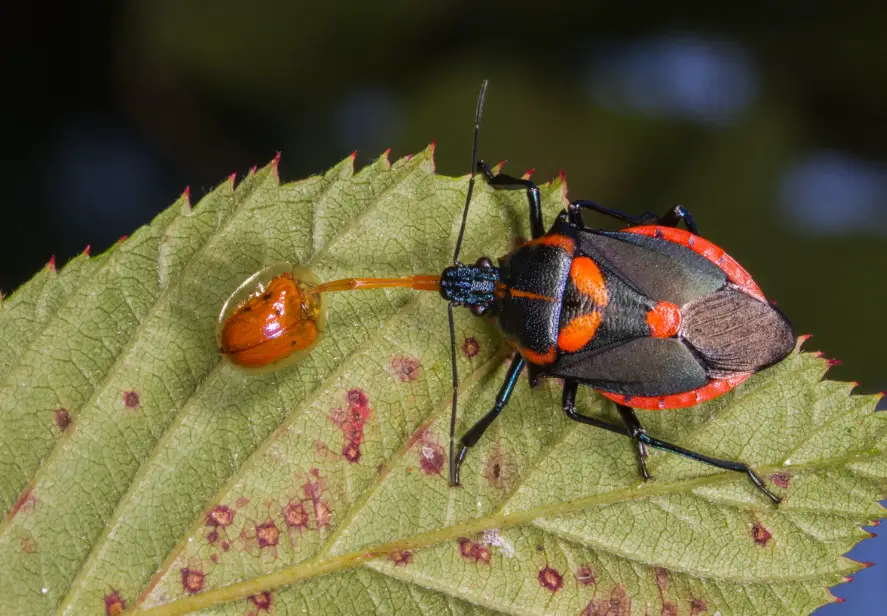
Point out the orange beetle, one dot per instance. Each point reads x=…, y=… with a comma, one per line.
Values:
x=274, y=316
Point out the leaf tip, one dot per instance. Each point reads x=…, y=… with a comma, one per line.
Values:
x=186, y=195
x=122, y=239
x=87, y=250
x=353, y=156
x=431, y=149
x=233, y=179
x=528, y=173
x=51, y=264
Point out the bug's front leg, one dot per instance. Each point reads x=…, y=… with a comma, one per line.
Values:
x=470, y=438
x=506, y=182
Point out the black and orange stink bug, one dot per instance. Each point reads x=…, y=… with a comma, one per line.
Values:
x=652, y=316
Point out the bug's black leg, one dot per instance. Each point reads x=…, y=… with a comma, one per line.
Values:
x=506, y=182
x=477, y=430
x=574, y=211
x=569, y=404
x=672, y=218
x=635, y=429
x=677, y=214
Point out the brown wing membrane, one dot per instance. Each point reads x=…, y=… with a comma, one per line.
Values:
x=656, y=268
x=638, y=367
x=734, y=332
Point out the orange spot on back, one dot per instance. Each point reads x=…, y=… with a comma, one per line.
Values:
x=664, y=320
x=540, y=359
x=587, y=278
x=579, y=332
x=558, y=241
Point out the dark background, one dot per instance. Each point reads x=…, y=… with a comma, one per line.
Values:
x=767, y=120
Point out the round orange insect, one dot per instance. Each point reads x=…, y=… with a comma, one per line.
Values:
x=272, y=319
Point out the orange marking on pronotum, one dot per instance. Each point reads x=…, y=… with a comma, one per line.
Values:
x=540, y=359
x=558, y=241
x=579, y=332
x=664, y=320
x=529, y=295
x=587, y=277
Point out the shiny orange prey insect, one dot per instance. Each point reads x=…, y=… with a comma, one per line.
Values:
x=278, y=314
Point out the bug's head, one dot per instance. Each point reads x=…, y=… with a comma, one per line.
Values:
x=470, y=285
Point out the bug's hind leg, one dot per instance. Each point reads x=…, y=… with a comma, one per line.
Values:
x=506, y=182
x=470, y=438
x=672, y=218
x=634, y=430
x=675, y=215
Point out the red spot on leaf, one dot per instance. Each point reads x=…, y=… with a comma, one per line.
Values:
x=585, y=575
x=62, y=419
x=24, y=504
x=471, y=347
x=114, y=603
x=474, y=552
x=618, y=604
x=669, y=609
x=192, y=580
x=262, y=601
x=295, y=515
x=352, y=421
x=431, y=458
x=782, y=480
x=405, y=368
x=401, y=559
x=212, y=536
x=351, y=451
x=697, y=606
x=241, y=502
x=357, y=397
x=27, y=545
x=131, y=400
x=267, y=534
x=321, y=514
x=220, y=516
x=550, y=578
x=499, y=470
x=760, y=534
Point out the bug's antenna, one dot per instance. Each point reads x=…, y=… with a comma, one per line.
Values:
x=453, y=479
x=477, y=116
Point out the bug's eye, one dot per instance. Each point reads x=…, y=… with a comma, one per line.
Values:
x=484, y=262
x=478, y=310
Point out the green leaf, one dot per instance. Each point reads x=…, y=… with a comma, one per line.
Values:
x=137, y=469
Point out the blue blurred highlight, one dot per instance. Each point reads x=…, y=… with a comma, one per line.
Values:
x=701, y=80
x=832, y=193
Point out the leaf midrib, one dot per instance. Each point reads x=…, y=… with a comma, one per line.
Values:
x=314, y=568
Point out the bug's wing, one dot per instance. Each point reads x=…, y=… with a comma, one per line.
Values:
x=735, y=333
x=637, y=367
x=656, y=268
